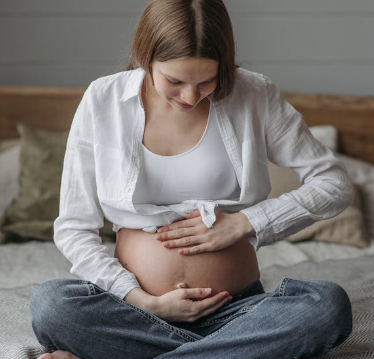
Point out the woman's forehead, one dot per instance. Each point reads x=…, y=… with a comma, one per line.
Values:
x=189, y=68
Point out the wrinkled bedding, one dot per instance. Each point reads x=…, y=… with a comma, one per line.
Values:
x=23, y=266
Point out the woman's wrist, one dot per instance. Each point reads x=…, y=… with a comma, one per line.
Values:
x=245, y=225
x=141, y=299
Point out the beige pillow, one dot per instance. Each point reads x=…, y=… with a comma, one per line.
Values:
x=6, y=145
x=362, y=175
x=32, y=213
x=346, y=228
x=9, y=173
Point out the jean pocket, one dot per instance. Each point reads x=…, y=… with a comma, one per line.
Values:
x=92, y=288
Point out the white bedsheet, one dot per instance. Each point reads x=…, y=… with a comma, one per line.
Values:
x=285, y=253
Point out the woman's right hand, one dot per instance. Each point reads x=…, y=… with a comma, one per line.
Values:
x=180, y=305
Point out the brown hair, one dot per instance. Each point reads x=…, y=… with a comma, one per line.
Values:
x=172, y=29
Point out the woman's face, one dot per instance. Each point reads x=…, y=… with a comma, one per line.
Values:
x=184, y=83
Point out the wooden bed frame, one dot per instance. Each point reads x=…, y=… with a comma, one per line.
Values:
x=52, y=108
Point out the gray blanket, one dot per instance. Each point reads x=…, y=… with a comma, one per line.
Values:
x=356, y=275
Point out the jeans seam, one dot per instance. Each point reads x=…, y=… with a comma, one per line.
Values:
x=90, y=287
x=282, y=287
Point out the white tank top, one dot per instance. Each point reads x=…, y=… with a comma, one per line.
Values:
x=204, y=172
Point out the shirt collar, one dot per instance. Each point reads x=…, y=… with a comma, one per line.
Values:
x=133, y=85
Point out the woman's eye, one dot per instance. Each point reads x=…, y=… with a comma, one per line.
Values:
x=177, y=83
x=205, y=83
x=174, y=83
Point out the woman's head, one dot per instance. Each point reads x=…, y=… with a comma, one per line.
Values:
x=174, y=29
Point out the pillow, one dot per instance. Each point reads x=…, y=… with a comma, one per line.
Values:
x=327, y=135
x=9, y=171
x=362, y=175
x=346, y=228
x=5, y=145
x=32, y=213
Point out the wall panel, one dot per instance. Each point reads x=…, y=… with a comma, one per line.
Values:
x=306, y=46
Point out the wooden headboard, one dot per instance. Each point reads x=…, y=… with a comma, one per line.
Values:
x=49, y=108
x=353, y=116
x=53, y=109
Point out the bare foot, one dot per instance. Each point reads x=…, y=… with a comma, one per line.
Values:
x=59, y=354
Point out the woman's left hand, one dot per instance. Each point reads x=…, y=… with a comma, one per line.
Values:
x=192, y=236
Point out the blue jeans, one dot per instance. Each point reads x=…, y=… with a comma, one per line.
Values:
x=299, y=319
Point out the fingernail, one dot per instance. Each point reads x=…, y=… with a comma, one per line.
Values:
x=166, y=244
x=208, y=290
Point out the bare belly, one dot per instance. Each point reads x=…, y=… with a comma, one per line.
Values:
x=160, y=270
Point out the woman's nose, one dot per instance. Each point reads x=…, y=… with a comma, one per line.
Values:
x=191, y=95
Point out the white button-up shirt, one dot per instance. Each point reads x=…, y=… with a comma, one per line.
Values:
x=102, y=164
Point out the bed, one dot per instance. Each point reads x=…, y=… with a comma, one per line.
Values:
x=33, y=127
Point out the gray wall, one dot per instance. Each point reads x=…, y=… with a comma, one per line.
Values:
x=322, y=46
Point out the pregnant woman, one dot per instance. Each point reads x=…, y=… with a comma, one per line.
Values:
x=174, y=152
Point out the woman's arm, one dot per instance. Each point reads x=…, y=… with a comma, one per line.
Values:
x=80, y=215
x=326, y=189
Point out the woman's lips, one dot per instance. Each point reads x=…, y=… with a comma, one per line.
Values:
x=184, y=105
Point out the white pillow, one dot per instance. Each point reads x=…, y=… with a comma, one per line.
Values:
x=327, y=135
x=9, y=172
x=361, y=174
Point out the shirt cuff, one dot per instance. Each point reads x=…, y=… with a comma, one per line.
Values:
x=261, y=224
x=123, y=285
